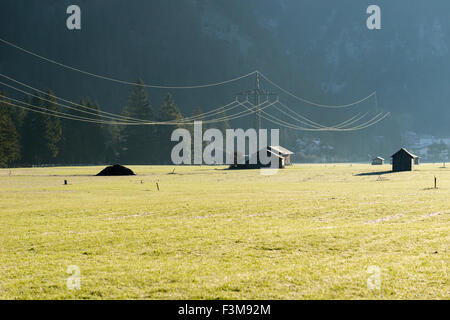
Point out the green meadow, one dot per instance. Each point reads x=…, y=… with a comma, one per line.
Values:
x=307, y=232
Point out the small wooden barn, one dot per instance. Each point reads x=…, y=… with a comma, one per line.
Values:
x=258, y=165
x=378, y=161
x=281, y=159
x=270, y=154
x=283, y=152
x=403, y=160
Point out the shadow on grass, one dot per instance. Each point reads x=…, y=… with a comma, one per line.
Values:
x=378, y=173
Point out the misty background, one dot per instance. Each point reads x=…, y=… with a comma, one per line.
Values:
x=320, y=50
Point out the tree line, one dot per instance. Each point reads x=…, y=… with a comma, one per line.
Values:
x=37, y=138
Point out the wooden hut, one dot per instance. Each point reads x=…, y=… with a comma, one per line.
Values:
x=283, y=152
x=248, y=165
x=240, y=161
x=270, y=154
x=378, y=161
x=402, y=160
x=281, y=159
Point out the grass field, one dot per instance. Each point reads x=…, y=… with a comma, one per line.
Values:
x=308, y=232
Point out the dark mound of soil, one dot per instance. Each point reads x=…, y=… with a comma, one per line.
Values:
x=116, y=170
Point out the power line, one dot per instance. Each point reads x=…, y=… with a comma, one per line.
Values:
x=299, y=115
x=315, y=124
x=365, y=125
x=63, y=115
x=285, y=124
x=314, y=128
x=58, y=104
x=134, y=121
x=236, y=103
x=123, y=81
x=109, y=115
x=68, y=101
x=313, y=103
x=351, y=121
x=256, y=72
x=52, y=113
x=252, y=110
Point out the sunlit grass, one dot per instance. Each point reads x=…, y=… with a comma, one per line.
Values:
x=308, y=232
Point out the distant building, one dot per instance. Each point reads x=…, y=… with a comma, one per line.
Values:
x=270, y=154
x=403, y=160
x=283, y=152
x=378, y=161
x=417, y=160
x=421, y=142
x=281, y=159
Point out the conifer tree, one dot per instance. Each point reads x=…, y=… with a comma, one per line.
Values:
x=53, y=130
x=168, y=112
x=138, y=141
x=94, y=136
x=9, y=137
x=72, y=142
x=84, y=142
x=33, y=134
x=41, y=130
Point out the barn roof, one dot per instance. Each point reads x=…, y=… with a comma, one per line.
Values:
x=281, y=150
x=378, y=158
x=403, y=150
x=275, y=154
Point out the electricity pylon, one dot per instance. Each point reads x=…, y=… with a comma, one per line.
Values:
x=257, y=93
